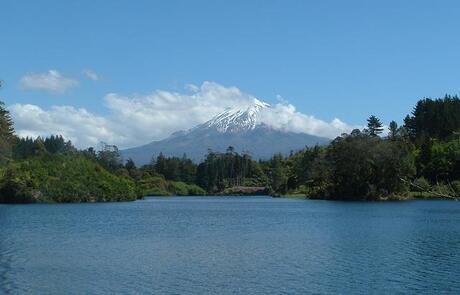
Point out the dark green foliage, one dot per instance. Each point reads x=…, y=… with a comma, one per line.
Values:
x=5, y=151
x=421, y=184
x=440, y=160
x=277, y=173
x=109, y=157
x=362, y=166
x=6, y=135
x=433, y=127
x=300, y=166
x=6, y=123
x=223, y=170
x=182, y=189
x=456, y=187
x=89, y=153
x=129, y=165
x=28, y=147
x=57, y=145
x=437, y=118
x=393, y=127
x=16, y=188
x=174, y=168
x=63, y=178
x=374, y=126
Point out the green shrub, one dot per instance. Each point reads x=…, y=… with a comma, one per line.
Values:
x=456, y=187
x=195, y=190
x=178, y=188
x=443, y=189
x=153, y=185
x=421, y=185
x=63, y=178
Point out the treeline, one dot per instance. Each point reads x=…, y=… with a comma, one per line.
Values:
x=222, y=170
x=52, y=170
x=421, y=158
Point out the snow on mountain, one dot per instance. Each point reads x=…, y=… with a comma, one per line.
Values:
x=237, y=119
x=238, y=127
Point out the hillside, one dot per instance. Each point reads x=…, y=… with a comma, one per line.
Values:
x=239, y=128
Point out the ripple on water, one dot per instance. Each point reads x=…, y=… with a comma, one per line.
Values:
x=231, y=245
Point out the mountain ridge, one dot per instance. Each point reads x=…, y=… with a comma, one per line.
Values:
x=237, y=127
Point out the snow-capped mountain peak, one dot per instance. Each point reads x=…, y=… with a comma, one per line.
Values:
x=241, y=128
x=237, y=119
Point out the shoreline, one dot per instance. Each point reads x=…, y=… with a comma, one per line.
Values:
x=412, y=196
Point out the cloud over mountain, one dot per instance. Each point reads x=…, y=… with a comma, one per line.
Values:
x=134, y=120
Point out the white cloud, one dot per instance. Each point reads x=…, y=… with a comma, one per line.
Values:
x=78, y=125
x=138, y=120
x=283, y=116
x=161, y=113
x=51, y=81
x=192, y=87
x=92, y=75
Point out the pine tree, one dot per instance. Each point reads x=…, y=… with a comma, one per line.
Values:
x=6, y=123
x=393, y=127
x=374, y=126
x=38, y=148
x=278, y=175
x=6, y=134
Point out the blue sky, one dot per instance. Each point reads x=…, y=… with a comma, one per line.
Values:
x=330, y=59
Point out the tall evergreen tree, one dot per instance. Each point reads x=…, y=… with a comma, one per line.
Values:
x=374, y=125
x=6, y=133
x=438, y=118
x=278, y=173
x=393, y=127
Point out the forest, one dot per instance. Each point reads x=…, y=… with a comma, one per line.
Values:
x=420, y=159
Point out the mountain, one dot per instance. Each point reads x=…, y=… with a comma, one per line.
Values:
x=237, y=127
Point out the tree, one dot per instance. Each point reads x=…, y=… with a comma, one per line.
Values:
x=393, y=127
x=90, y=153
x=299, y=166
x=15, y=189
x=160, y=164
x=109, y=157
x=57, y=144
x=6, y=134
x=440, y=160
x=229, y=169
x=374, y=126
x=434, y=118
x=130, y=165
x=362, y=166
x=278, y=174
x=38, y=148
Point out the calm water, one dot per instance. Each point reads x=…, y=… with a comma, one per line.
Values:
x=230, y=246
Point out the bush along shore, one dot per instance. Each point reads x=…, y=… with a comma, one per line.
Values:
x=418, y=160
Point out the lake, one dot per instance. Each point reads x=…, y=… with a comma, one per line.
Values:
x=230, y=245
